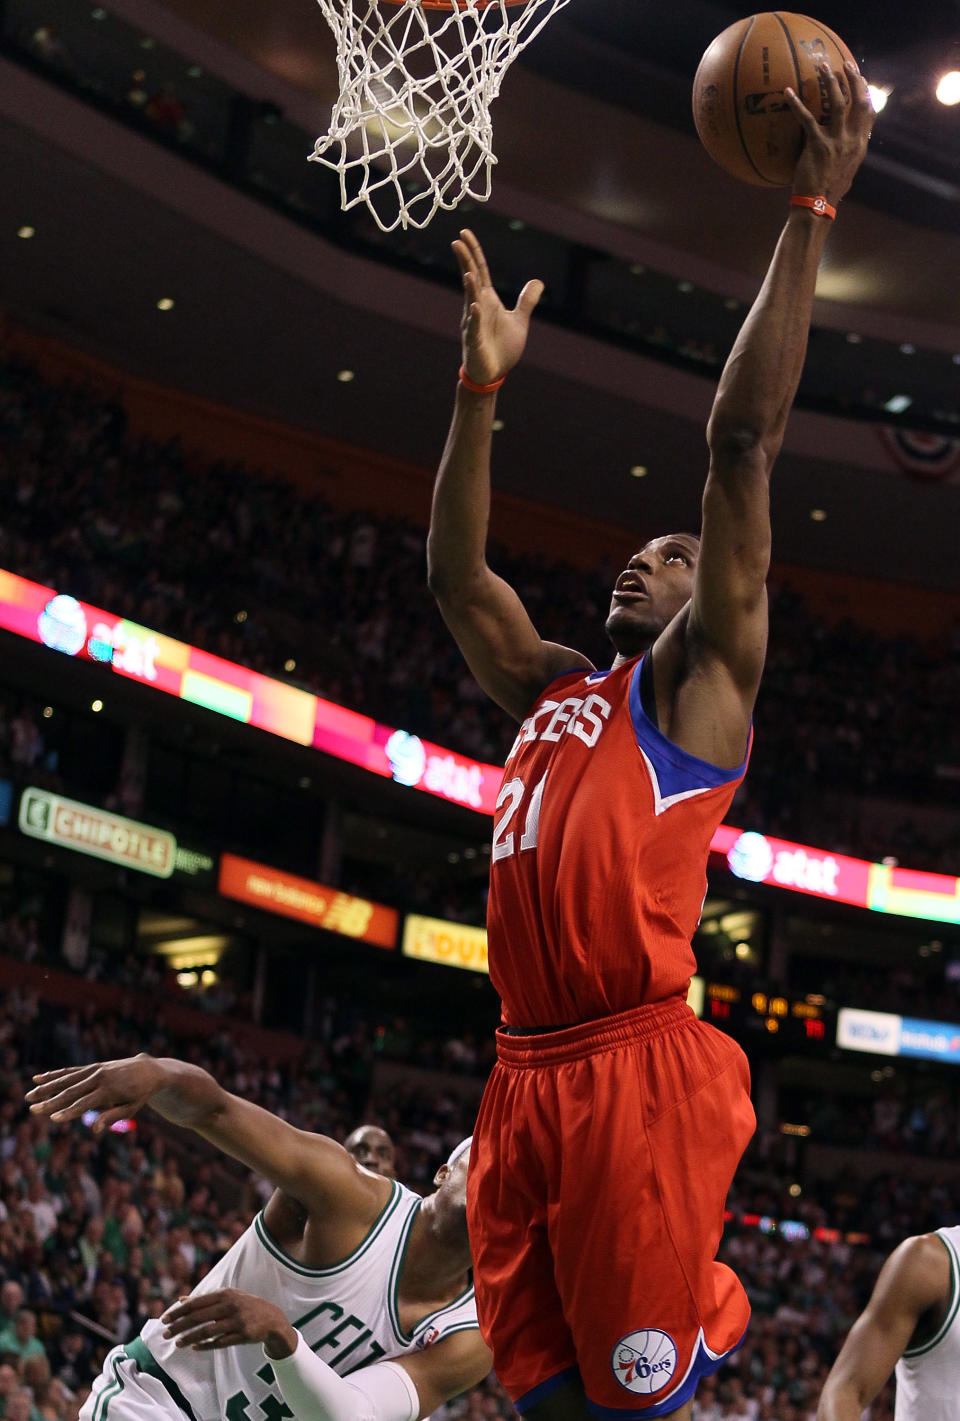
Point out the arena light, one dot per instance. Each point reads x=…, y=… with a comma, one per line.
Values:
x=948, y=89
x=26, y=232
x=897, y=404
x=879, y=96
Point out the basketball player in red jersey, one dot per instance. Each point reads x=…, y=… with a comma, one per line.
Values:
x=614, y=1119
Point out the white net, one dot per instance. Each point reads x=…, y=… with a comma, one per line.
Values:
x=411, y=130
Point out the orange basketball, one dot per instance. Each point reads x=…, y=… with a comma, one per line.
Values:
x=738, y=105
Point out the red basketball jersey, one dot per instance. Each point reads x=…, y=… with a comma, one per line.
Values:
x=598, y=874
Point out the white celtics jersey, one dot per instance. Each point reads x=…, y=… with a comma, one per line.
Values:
x=928, y=1376
x=347, y=1314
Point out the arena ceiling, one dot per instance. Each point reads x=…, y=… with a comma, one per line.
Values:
x=260, y=334
x=596, y=118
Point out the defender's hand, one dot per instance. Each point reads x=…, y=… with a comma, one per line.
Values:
x=116, y=1089
x=493, y=337
x=833, y=151
x=227, y=1317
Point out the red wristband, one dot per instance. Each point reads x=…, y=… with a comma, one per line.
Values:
x=479, y=389
x=819, y=205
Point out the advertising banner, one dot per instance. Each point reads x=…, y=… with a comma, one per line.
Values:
x=96, y=832
x=931, y=1040
x=278, y=892
x=883, y=888
x=877, y=1032
x=76, y=629
x=452, y=944
x=884, y=1034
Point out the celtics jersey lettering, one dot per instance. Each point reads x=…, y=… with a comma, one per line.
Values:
x=928, y=1375
x=348, y=1315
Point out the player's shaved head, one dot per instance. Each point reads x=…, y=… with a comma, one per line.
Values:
x=373, y=1148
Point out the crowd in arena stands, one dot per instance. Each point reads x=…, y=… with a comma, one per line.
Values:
x=157, y=104
x=246, y=567
x=99, y=1233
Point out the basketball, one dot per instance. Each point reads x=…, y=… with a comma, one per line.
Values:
x=738, y=106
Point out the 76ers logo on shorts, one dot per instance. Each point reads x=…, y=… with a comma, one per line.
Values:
x=644, y=1361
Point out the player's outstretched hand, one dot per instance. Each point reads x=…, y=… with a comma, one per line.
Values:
x=207, y=1322
x=833, y=151
x=493, y=337
x=116, y=1089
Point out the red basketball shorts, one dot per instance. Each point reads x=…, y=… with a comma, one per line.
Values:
x=600, y=1166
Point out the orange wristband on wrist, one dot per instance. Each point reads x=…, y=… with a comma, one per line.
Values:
x=819, y=205
x=479, y=389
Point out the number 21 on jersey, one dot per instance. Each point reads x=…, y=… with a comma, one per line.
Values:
x=510, y=799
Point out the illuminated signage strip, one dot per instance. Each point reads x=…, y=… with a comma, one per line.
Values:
x=90, y=634
x=885, y=1034
x=95, y=832
x=880, y=887
x=278, y=892
x=77, y=629
x=406, y=758
x=452, y=944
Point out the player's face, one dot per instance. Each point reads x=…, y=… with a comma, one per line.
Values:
x=372, y=1148
x=648, y=594
x=451, y=1182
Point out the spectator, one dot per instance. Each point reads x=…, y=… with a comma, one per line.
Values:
x=20, y=1339
x=11, y=1301
x=165, y=111
x=9, y=1382
x=20, y=1405
x=41, y=1208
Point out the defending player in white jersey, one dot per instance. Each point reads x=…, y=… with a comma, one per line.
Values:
x=372, y=1147
x=911, y=1324
x=363, y=1268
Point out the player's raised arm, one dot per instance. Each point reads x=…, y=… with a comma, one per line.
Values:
x=313, y=1169
x=728, y=616
x=909, y=1298
x=485, y=615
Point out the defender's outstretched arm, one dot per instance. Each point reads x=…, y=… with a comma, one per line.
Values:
x=312, y=1168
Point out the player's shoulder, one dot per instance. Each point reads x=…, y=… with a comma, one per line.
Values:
x=922, y=1268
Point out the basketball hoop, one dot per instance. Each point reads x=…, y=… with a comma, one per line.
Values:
x=411, y=130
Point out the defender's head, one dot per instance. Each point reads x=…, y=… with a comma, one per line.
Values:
x=450, y=1199
x=656, y=583
x=372, y=1148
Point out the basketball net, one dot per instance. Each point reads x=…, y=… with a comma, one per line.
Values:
x=411, y=130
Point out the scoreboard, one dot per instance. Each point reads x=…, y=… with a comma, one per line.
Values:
x=784, y=1021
